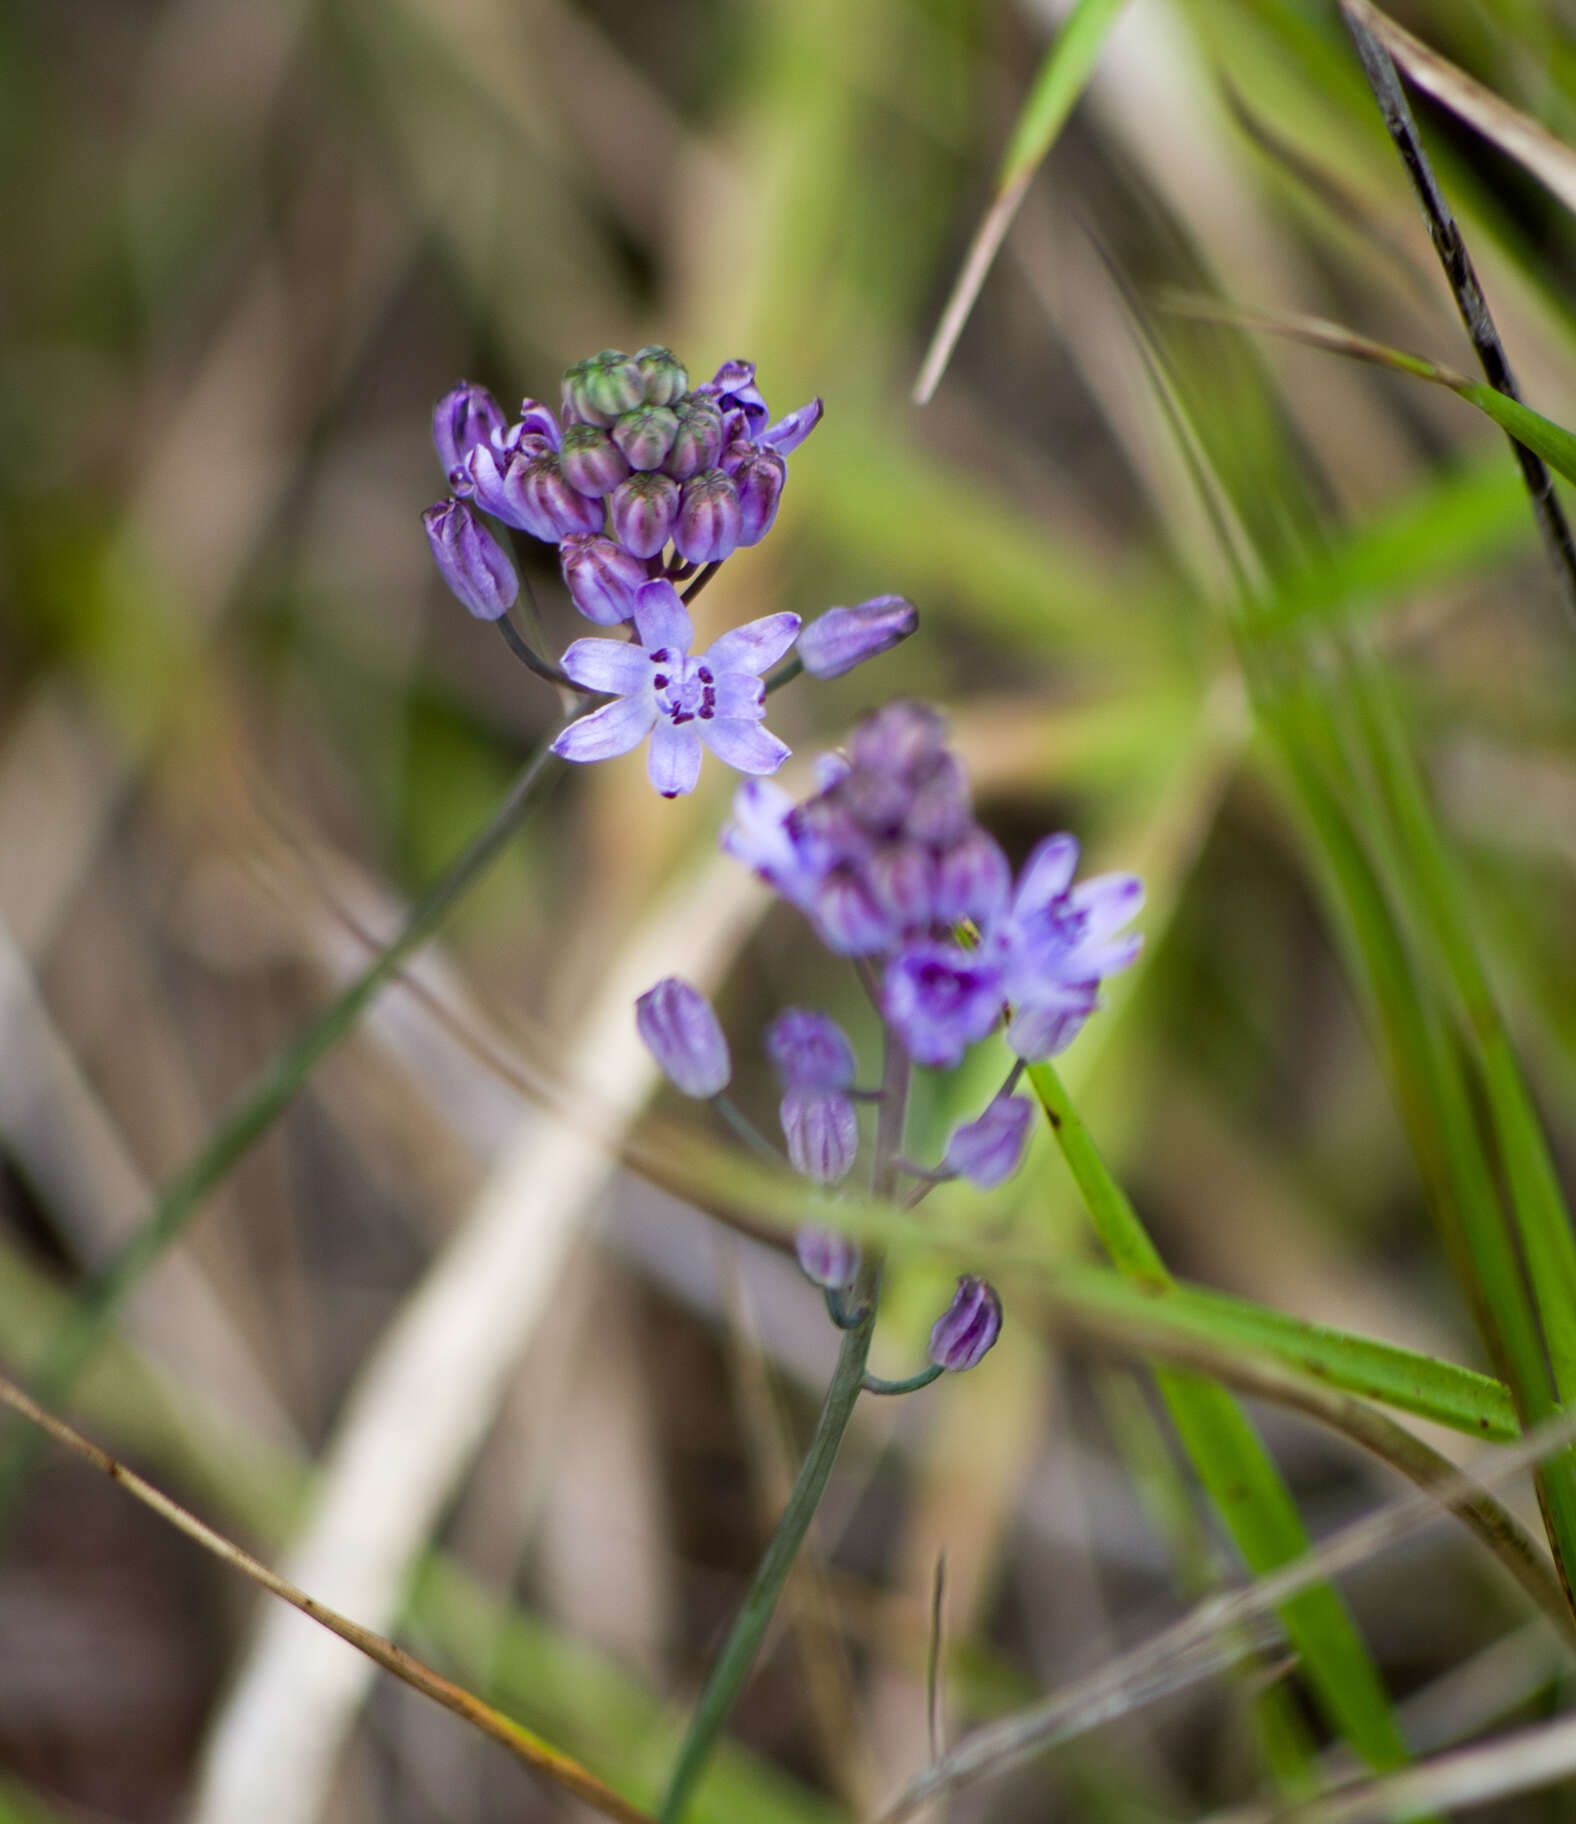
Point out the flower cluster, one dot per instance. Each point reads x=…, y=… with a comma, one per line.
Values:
x=888, y=862
x=637, y=475
x=643, y=482
x=891, y=867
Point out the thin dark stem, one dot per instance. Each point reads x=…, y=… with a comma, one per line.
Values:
x=702, y=578
x=784, y=674
x=258, y=1109
x=746, y=1129
x=738, y=1654
x=515, y=641
x=1464, y=285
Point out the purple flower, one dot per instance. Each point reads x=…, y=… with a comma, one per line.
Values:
x=473, y=563
x=758, y=482
x=809, y=1050
x=968, y=1328
x=822, y=1131
x=682, y=1033
x=940, y=998
x=697, y=442
x=1058, y=941
x=788, y=433
x=827, y=1258
x=643, y=511
x=465, y=416
x=591, y=461
x=535, y=420
x=845, y=637
x=988, y=1151
x=683, y=703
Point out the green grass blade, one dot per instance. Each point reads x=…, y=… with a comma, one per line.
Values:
x=1063, y=76
x=257, y=1111
x=1443, y=1392
x=1235, y=1468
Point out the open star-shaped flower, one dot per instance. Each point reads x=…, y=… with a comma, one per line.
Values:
x=685, y=704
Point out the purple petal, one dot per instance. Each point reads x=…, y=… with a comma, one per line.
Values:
x=1051, y=1025
x=613, y=729
x=822, y=1132
x=680, y=1029
x=612, y=666
x=1108, y=901
x=738, y=696
x=809, y=1050
x=755, y=645
x=745, y=746
x=1046, y=874
x=788, y=433
x=661, y=619
x=673, y=763
x=988, y=1151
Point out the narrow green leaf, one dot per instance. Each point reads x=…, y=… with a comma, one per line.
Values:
x=1063, y=76
x=1233, y=1464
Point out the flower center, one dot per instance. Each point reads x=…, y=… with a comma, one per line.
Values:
x=685, y=688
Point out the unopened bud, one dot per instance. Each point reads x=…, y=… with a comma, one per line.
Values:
x=708, y=523
x=810, y=1050
x=473, y=563
x=646, y=434
x=592, y=462
x=759, y=480
x=822, y=1131
x=662, y=374
x=842, y=638
x=464, y=417
x=601, y=576
x=537, y=420
x=697, y=439
x=682, y=1033
x=988, y=1151
x=602, y=386
x=973, y=879
x=644, y=510
x=827, y=1258
x=969, y=1328
x=552, y=502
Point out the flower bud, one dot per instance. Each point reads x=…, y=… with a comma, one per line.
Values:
x=973, y=879
x=827, y=1258
x=644, y=510
x=464, y=417
x=645, y=435
x=536, y=420
x=552, y=502
x=847, y=917
x=697, y=439
x=759, y=480
x=662, y=374
x=809, y=1050
x=822, y=1132
x=898, y=737
x=708, y=523
x=601, y=577
x=682, y=1033
x=597, y=389
x=496, y=481
x=941, y=809
x=592, y=463
x=902, y=880
x=969, y=1328
x=733, y=386
x=845, y=637
x=988, y=1151
x=473, y=563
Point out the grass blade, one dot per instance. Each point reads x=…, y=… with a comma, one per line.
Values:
x=1063, y=76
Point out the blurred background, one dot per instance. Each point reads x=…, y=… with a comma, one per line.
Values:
x=512, y=1402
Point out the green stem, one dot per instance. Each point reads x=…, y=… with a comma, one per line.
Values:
x=738, y=1655
x=875, y=1384
x=77, y=1339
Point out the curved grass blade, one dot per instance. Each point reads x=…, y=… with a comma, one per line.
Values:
x=540, y=1756
x=1235, y=1468
x=255, y=1114
x=1063, y=76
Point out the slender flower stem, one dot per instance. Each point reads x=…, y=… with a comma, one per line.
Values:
x=261, y=1105
x=745, y=1128
x=702, y=578
x=516, y=643
x=733, y=1664
x=784, y=674
x=738, y=1654
x=874, y=1384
